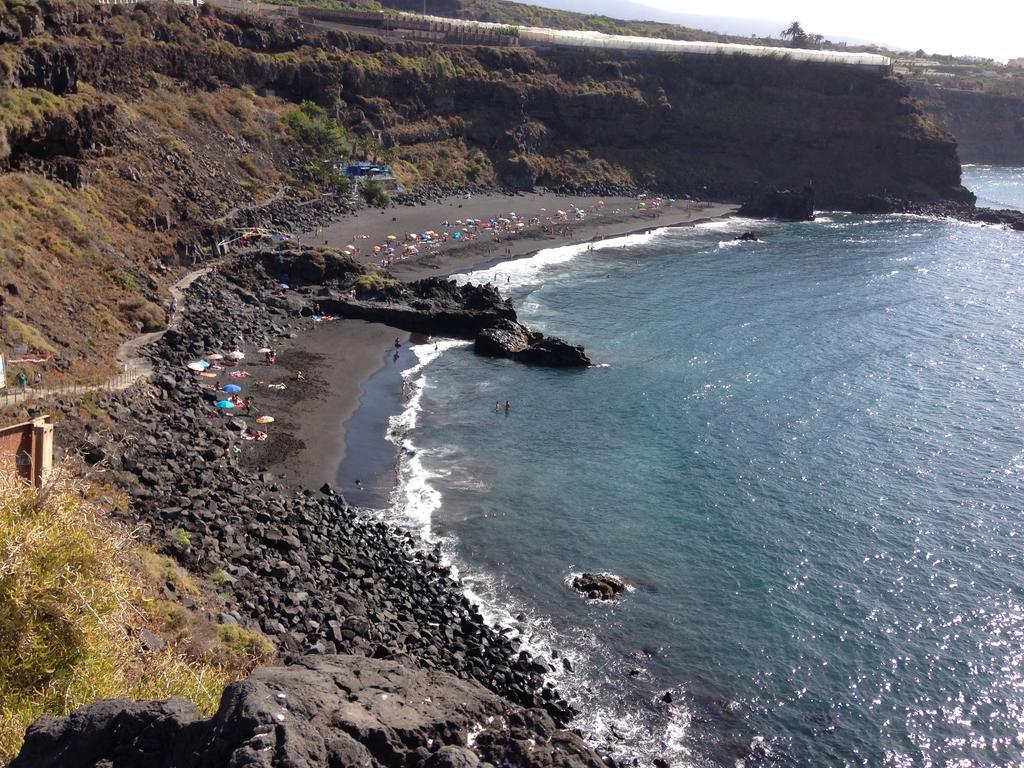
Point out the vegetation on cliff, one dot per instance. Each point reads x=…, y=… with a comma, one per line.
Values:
x=134, y=136
x=80, y=606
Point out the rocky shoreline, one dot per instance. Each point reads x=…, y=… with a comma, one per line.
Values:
x=316, y=575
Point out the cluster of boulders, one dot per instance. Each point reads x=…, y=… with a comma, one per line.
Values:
x=293, y=215
x=599, y=586
x=433, y=306
x=314, y=574
x=322, y=711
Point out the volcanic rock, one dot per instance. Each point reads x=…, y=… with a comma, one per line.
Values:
x=322, y=711
x=513, y=340
x=601, y=586
x=785, y=204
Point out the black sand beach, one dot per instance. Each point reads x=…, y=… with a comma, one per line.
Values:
x=312, y=435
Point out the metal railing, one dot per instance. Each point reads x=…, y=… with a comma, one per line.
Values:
x=14, y=395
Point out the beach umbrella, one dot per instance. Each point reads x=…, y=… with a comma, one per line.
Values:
x=215, y=356
x=262, y=350
x=283, y=286
x=543, y=210
x=237, y=355
x=232, y=388
x=225, y=404
x=265, y=420
x=392, y=237
x=199, y=365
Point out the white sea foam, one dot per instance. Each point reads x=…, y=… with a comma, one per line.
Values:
x=520, y=273
x=416, y=499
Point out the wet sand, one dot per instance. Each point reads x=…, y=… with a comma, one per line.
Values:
x=307, y=440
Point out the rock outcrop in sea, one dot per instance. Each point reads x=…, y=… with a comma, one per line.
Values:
x=435, y=306
x=782, y=204
x=512, y=339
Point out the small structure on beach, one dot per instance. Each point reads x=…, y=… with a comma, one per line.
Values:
x=363, y=171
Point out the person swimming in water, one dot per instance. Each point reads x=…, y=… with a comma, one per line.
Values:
x=508, y=406
x=497, y=406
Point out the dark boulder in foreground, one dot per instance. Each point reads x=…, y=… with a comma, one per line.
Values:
x=323, y=711
x=784, y=204
x=599, y=586
x=508, y=338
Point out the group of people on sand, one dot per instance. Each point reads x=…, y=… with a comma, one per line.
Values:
x=501, y=227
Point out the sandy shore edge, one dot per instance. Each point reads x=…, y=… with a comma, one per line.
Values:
x=339, y=358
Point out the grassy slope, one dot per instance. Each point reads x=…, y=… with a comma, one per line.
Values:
x=76, y=592
x=92, y=259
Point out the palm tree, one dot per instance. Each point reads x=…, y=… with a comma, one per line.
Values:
x=794, y=31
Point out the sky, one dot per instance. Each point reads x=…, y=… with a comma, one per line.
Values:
x=989, y=28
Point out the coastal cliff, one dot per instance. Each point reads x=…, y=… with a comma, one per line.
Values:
x=989, y=127
x=133, y=137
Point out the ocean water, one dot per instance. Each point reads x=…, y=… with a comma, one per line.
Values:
x=806, y=456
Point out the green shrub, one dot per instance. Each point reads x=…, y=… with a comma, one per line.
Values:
x=373, y=193
x=146, y=314
x=122, y=279
x=181, y=537
x=242, y=648
x=371, y=282
x=310, y=124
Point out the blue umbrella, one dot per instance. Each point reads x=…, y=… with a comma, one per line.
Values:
x=225, y=404
x=232, y=388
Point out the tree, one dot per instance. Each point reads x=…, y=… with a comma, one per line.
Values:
x=794, y=31
x=799, y=38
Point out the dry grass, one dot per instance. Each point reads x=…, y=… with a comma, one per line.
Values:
x=23, y=333
x=74, y=593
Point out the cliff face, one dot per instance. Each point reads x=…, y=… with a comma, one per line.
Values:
x=126, y=132
x=989, y=128
x=727, y=125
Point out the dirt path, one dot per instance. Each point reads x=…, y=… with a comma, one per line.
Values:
x=134, y=365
